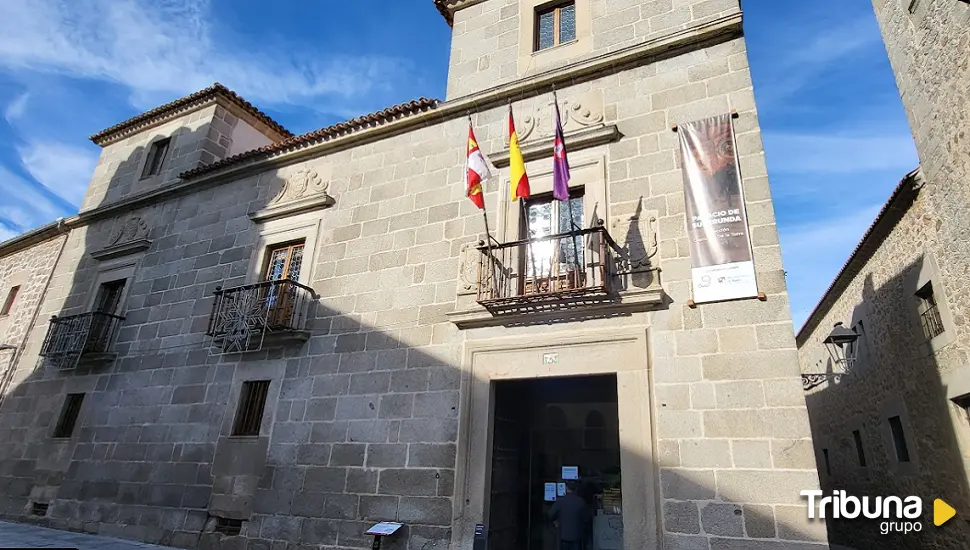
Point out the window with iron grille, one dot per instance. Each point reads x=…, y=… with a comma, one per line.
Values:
x=929, y=312
x=899, y=439
x=156, y=158
x=249, y=414
x=228, y=526
x=8, y=303
x=555, y=25
x=860, y=451
x=69, y=414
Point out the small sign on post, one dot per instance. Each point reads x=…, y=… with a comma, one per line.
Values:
x=381, y=530
x=481, y=537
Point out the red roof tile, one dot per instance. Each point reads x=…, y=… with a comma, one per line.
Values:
x=158, y=113
x=325, y=134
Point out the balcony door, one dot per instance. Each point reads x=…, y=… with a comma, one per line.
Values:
x=285, y=262
x=108, y=302
x=553, y=265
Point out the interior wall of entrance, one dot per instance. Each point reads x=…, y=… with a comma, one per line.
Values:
x=623, y=355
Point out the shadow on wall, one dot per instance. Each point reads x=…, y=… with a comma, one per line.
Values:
x=895, y=402
x=360, y=425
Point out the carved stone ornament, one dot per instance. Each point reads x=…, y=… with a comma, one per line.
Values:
x=637, y=237
x=469, y=260
x=132, y=229
x=575, y=114
x=302, y=184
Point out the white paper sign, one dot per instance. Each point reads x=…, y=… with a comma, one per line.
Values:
x=550, y=492
x=561, y=488
x=384, y=528
x=570, y=472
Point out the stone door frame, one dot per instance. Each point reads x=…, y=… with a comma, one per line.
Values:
x=624, y=353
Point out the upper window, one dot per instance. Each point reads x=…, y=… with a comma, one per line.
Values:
x=109, y=295
x=555, y=25
x=11, y=298
x=285, y=262
x=929, y=312
x=69, y=414
x=156, y=158
x=547, y=216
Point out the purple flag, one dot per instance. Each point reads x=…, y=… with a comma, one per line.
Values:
x=560, y=166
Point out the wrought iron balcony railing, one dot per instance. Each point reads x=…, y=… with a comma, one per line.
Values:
x=70, y=338
x=243, y=316
x=572, y=266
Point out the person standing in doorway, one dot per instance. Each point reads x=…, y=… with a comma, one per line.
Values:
x=573, y=518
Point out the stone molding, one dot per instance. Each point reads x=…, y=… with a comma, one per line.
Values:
x=583, y=139
x=128, y=237
x=304, y=191
x=120, y=250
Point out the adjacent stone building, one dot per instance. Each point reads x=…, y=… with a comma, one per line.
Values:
x=269, y=341
x=897, y=423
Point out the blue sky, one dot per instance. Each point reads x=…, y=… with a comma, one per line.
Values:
x=835, y=132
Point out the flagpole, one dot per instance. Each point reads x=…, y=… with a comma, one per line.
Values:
x=569, y=206
x=488, y=233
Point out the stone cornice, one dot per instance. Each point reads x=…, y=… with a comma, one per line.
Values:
x=709, y=33
x=123, y=249
x=583, y=139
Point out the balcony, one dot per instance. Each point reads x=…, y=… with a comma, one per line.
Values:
x=546, y=273
x=80, y=338
x=251, y=317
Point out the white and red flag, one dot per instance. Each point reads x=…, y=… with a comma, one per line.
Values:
x=477, y=169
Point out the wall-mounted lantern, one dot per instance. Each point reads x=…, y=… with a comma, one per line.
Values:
x=841, y=345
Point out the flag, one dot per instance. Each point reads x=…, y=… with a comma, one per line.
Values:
x=477, y=170
x=519, y=180
x=560, y=164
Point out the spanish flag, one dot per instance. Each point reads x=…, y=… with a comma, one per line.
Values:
x=519, y=179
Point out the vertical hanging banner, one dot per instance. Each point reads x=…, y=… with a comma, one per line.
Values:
x=722, y=265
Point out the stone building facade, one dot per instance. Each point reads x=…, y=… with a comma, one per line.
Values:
x=375, y=394
x=897, y=424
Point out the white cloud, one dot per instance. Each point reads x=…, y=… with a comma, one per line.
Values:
x=64, y=169
x=26, y=205
x=832, y=153
x=16, y=108
x=169, y=47
x=814, y=252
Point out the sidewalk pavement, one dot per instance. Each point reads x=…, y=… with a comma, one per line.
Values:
x=19, y=535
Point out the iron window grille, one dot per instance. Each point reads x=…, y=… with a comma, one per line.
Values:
x=249, y=414
x=69, y=413
x=929, y=312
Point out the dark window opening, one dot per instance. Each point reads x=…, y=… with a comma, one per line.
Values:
x=8, y=303
x=39, y=508
x=828, y=465
x=69, y=414
x=899, y=439
x=109, y=297
x=860, y=451
x=156, y=158
x=249, y=414
x=929, y=312
x=228, y=526
x=555, y=25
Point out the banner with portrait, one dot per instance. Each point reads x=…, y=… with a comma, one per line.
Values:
x=722, y=262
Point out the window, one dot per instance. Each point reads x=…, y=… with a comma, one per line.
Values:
x=546, y=216
x=109, y=295
x=285, y=262
x=228, y=526
x=555, y=25
x=857, y=436
x=8, y=303
x=69, y=414
x=156, y=158
x=929, y=312
x=249, y=414
x=899, y=439
x=828, y=466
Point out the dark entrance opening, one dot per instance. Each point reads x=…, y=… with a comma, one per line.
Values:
x=546, y=432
